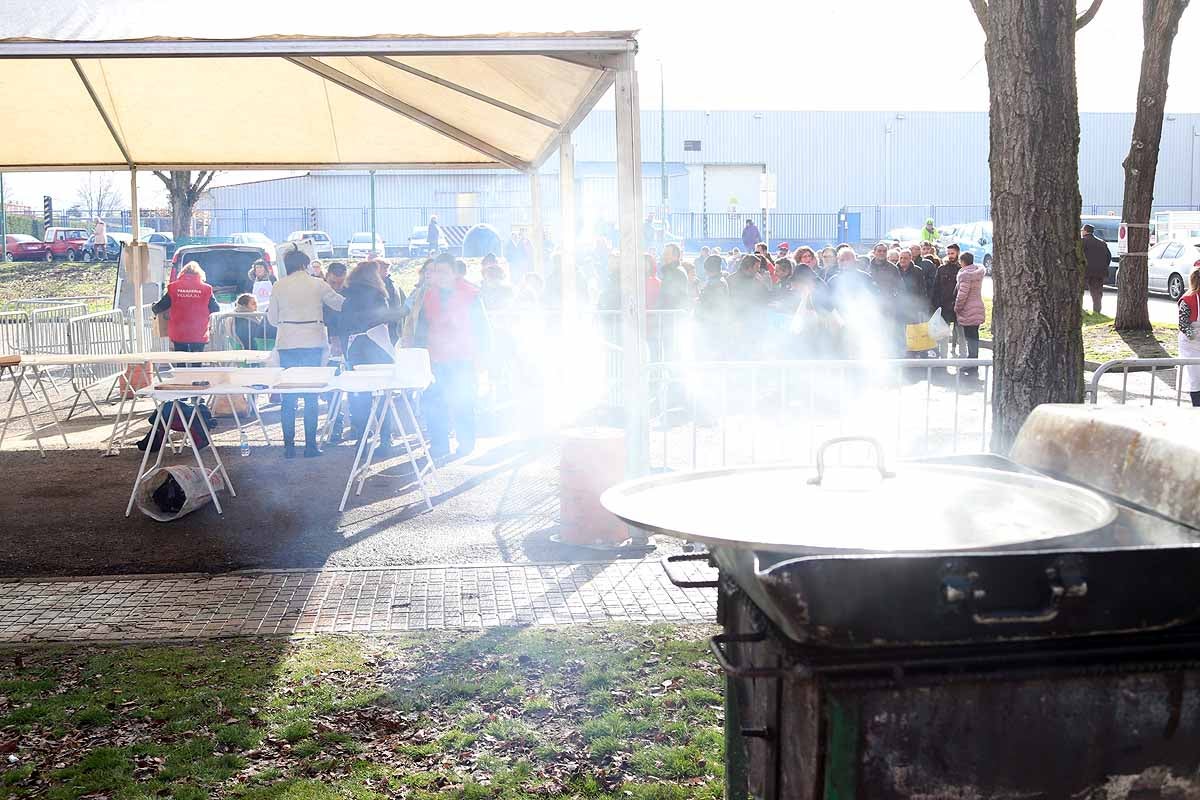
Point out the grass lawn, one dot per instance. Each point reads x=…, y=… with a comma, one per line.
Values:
x=1102, y=342
x=612, y=712
x=27, y=279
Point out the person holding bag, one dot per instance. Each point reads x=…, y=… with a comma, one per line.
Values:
x=1189, y=335
x=969, y=308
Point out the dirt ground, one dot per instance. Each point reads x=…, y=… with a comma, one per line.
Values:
x=65, y=514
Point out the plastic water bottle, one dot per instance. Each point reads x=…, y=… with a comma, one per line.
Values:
x=245, y=448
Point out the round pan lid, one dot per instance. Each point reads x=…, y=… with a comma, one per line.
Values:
x=916, y=508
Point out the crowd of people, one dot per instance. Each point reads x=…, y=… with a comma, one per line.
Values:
x=322, y=313
x=831, y=303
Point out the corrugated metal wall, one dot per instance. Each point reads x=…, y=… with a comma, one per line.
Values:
x=894, y=168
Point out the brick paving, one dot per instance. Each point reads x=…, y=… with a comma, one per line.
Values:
x=295, y=602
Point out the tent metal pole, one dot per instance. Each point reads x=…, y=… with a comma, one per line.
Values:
x=133, y=266
x=566, y=193
x=535, y=234
x=3, y=222
x=633, y=284
x=373, y=239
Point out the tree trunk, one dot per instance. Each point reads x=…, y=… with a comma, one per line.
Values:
x=1034, y=160
x=183, y=192
x=1160, y=21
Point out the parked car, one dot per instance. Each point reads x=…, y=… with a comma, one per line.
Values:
x=359, y=247
x=226, y=266
x=1170, y=263
x=258, y=240
x=320, y=240
x=974, y=238
x=66, y=242
x=164, y=240
x=22, y=247
x=418, y=241
x=113, y=243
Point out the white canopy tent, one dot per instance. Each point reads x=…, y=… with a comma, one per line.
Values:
x=84, y=86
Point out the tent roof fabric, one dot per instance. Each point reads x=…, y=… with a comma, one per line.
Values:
x=297, y=102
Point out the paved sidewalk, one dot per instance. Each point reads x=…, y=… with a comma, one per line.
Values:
x=346, y=601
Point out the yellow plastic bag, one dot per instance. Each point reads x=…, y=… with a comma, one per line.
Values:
x=917, y=338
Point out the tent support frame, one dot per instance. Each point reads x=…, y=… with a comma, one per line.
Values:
x=483, y=98
x=112, y=129
x=369, y=92
x=566, y=193
x=633, y=284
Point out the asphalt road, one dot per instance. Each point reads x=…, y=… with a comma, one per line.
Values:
x=1162, y=309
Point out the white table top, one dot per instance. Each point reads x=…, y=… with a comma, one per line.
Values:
x=172, y=357
x=361, y=381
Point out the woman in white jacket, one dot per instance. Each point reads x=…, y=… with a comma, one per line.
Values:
x=297, y=310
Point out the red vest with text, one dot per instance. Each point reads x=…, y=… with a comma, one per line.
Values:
x=189, y=309
x=449, y=321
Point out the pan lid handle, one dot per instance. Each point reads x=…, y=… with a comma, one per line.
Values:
x=884, y=472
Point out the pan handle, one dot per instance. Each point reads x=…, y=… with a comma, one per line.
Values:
x=1064, y=583
x=717, y=645
x=884, y=472
x=683, y=583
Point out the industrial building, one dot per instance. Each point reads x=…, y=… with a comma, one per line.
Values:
x=885, y=169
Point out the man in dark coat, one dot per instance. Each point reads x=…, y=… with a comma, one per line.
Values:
x=945, y=287
x=1096, y=258
x=912, y=303
x=433, y=235
x=750, y=236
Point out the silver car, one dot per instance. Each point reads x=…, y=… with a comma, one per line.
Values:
x=1170, y=263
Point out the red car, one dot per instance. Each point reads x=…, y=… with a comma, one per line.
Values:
x=66, y=243
x=21, y=247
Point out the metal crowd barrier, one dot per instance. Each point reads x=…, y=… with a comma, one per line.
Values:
x=102, y=333
x=235, y=330
x=722, y=413
x=153, y=343
x=14, y=332
x=1143, y=366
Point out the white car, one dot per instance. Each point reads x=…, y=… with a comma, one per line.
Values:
x=320, y=239
x=254, y=240
x=359, y=246
x=1170, y=263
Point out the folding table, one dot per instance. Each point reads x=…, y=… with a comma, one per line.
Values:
x=36, y=364
x=409, y=372
x=286, y=384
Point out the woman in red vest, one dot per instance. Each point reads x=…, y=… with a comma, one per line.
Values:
x=190, y=301
x=452, y=324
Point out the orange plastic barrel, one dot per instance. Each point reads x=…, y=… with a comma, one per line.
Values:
x=592, y=460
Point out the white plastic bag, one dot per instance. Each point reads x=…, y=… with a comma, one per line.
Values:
x=939, y=329
x=190, y=480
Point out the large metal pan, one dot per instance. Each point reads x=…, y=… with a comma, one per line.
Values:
x=915, y=508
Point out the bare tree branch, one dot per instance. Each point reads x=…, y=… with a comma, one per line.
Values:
x=202, y=182
x=981, y=10
x=1088, y=15
x=163, y=178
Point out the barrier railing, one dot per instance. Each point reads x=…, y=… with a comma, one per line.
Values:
x=14, y=332
x=234, y=330
x=1150, y=367
x=98, y=334
x=153, y=342
x=722, y=413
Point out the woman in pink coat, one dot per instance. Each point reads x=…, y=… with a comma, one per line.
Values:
x=968, y=306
